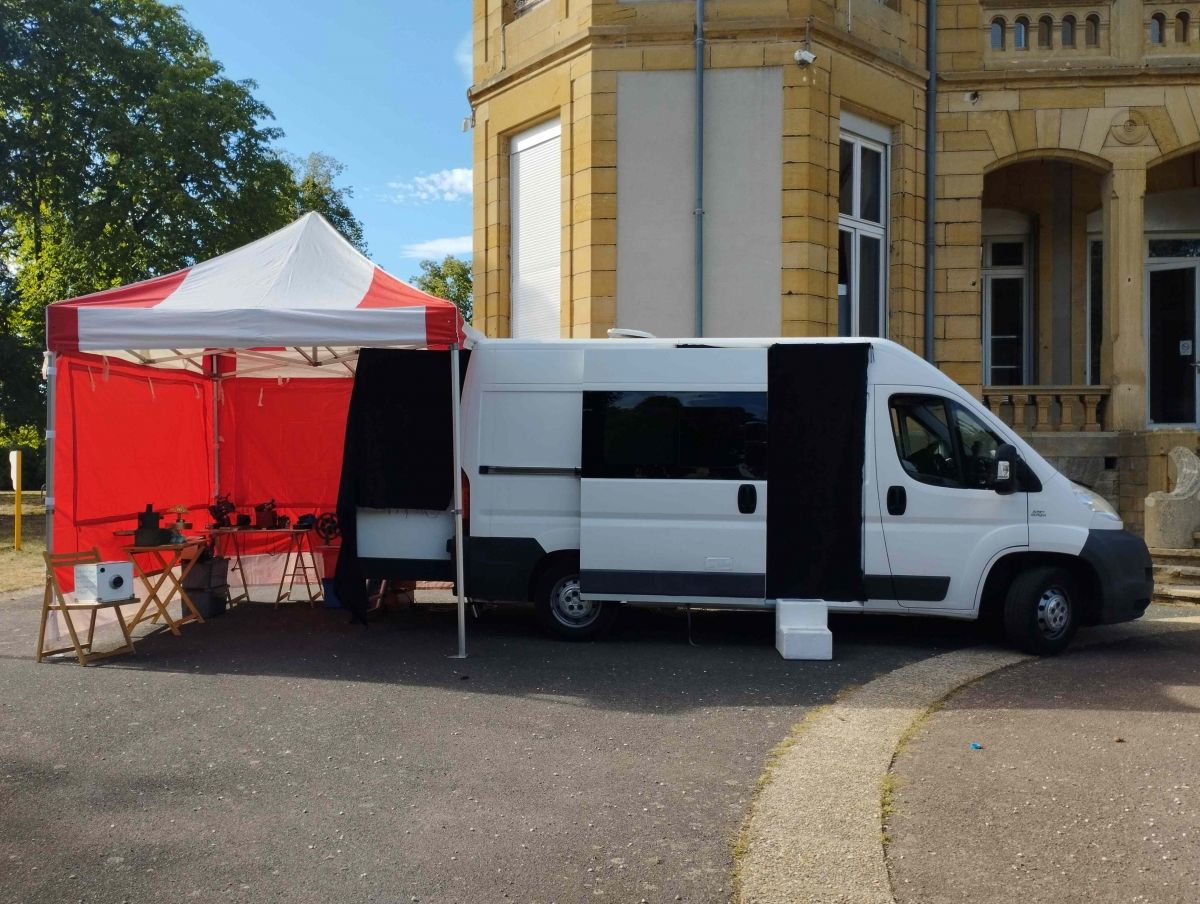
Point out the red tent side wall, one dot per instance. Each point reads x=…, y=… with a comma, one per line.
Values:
x=126, y=435
x=282, y=440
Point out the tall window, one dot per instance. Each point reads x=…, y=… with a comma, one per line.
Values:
x=997, y=34
x=1045, y=30
x=1092, y=30
x=1181, y=28
x=1095, y=321
x=1006, y=310
x=862, y=228
x=1068, y=31
x=535, y=250
x=1021, y=34
x=1158, y=28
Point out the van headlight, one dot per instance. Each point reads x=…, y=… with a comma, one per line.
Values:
x=1094, y=502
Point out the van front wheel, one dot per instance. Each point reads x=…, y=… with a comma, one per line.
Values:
x=564, y=613
x=1041, y=611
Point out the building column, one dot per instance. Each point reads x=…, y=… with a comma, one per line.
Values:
x=1124, y=274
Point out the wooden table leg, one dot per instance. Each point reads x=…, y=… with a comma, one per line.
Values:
x=280, y=596
x=152, y=597
x=241, y=570
x=177, y=583
x=306, y=540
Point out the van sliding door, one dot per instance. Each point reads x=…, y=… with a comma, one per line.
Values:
x=673, y=490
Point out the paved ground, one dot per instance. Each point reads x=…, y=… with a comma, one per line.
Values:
x=288, y=756
x=1087, y=787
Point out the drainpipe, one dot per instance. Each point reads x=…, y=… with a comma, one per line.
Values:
x=698, y=211
x=930, y=171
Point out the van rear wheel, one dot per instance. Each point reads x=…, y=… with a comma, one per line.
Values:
x=563, y=612
x=1041, y=611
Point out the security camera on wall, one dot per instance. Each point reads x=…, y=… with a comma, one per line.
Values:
x=805, y=57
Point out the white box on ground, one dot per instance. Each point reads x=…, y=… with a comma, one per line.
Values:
x=802, y=629
x=104, y=582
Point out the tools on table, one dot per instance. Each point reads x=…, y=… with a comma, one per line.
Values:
x=149, y=530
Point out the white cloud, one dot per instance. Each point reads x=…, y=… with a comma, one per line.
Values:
x=464, y=56
x=445, y=185
x=438, y=248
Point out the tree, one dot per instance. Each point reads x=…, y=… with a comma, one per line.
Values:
x=450, y=279
x=315, y=191
x=124, y=153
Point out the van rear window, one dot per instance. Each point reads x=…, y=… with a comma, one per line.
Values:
x=675, y=435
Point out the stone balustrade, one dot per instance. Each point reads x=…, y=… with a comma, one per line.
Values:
x=1047, y=409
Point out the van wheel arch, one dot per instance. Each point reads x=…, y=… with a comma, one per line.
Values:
x=1006, y=569
x=559, y=606
x=549, y=562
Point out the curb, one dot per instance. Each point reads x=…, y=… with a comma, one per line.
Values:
x=814, y=832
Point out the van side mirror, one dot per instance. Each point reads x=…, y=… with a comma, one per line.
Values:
x=1004, y=480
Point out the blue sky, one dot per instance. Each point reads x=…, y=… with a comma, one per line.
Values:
x=378, y=84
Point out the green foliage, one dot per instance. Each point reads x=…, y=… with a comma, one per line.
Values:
x=315, y=190
x=125, y=153
x=129, y=154
x=450, y=279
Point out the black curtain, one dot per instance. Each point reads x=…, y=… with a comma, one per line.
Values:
x=399, y=448
x=816, y=426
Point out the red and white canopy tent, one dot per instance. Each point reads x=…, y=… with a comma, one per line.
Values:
x=231, y=376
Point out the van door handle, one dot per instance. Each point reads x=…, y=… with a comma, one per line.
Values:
x=897, y=500
x=747, y=499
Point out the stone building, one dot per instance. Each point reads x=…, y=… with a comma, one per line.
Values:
x=1067, y=216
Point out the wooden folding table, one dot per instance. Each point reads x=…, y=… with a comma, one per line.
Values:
x=299, y=563
x=167, y=557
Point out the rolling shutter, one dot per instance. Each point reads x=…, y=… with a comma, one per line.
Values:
x=535, y=180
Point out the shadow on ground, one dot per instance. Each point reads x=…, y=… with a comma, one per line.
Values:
x=647, y=661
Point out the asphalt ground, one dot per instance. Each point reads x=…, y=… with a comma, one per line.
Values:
x=1086, y=787
x=286, y=755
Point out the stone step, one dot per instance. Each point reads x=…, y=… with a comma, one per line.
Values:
x=1183, y=557
x=1181, y=575
x=1174, y=594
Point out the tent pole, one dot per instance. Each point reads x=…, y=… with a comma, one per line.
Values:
x=456, y=430
x=216, y=428
x=51, y=387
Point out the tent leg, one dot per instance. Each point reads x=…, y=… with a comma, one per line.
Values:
x=216, y=428
x=51, y=386
x=456, y=430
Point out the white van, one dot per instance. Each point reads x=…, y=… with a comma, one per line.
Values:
x=740, y=472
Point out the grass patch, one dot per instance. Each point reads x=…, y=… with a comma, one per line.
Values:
x=887, y=807
x=23, y=568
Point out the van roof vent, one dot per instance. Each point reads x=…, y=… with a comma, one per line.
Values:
x=630, y=334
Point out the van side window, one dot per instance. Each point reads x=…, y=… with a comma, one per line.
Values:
x=940, y=442
x=978, y=446
x=921, y=427
x=675, y=435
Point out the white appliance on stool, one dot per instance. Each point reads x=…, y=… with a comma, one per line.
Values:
x=104, y=582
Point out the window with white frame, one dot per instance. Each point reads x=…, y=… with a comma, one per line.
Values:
x=863, y=209
x=1006, y=340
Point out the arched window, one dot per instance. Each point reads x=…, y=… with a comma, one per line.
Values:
x=1158, y=28
x=1045, y=30
x=1068, y=31
x=997, y=34
x=1021, y=34
x=1181, y=28
x=1092, y=31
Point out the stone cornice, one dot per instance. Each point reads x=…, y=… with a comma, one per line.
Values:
x=1117, y=76
x=748, y=30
